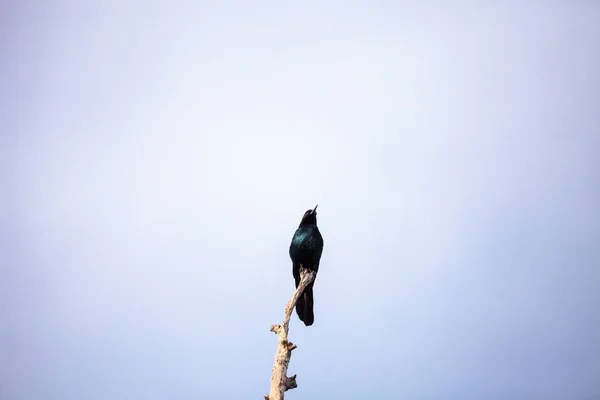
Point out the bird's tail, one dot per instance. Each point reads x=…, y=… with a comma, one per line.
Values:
x=304, y=307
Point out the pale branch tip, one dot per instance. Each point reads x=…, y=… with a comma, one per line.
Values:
x=280, y=382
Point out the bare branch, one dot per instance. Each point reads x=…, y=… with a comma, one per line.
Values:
x=280, y=382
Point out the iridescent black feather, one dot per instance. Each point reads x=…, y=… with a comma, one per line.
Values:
x=305, y=251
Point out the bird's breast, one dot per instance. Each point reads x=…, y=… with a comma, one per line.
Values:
x=302, y=237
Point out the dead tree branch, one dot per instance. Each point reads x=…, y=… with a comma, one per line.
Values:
x=280, y=382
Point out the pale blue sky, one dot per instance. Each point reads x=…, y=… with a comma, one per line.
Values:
x=156, y=158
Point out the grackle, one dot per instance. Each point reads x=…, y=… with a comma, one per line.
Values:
x=305, y=251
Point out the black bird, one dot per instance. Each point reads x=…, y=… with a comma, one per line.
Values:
x=305, y=251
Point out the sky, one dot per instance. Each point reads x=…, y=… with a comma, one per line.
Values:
x=156, y=158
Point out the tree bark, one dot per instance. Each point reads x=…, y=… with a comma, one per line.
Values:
x=280, y=382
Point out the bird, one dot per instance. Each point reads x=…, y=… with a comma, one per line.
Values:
x=305, y=251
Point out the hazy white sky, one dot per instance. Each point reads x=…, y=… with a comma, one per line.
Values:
x=155, y=160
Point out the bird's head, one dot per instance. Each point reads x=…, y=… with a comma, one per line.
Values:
x=310, y=217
